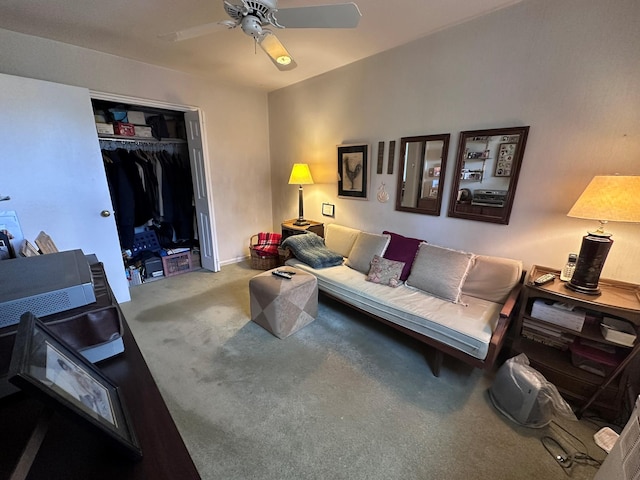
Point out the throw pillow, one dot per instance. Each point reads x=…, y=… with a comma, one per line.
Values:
x=440, y=271
x=402, y=249
x=385, y=272
x=365, y=247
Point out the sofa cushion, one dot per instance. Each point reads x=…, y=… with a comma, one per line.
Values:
x=385, y=272
x=492, y=278
x=467, y=328
x=440, y=271
x=339, y=238
x=402, y=249
x=365, y=247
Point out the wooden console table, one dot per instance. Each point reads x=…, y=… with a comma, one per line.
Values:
x=71, y=451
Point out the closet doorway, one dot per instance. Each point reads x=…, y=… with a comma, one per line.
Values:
x=166, y=133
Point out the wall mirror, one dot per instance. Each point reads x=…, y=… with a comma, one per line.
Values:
x=421, y=173
x=486, y=174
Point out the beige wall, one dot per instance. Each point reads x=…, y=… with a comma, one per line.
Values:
x=240, y=180
x=568, y=68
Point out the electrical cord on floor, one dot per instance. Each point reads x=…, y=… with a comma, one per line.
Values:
x=561, y=455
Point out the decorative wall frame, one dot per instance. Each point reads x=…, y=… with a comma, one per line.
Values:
x=380, y=158
x=353, y=170
x=421, y=173
x=47, y=367
x=487, y=170
x=392, y=154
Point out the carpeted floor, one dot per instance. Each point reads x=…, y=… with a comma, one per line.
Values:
x=343, y=398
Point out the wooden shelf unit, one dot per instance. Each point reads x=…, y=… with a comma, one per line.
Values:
x=578, y=386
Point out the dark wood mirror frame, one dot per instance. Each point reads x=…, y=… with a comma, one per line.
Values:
x=486, y=175
x=418, y=197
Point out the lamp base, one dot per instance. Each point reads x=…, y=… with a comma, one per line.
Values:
x=593, y=253
x=301, y=222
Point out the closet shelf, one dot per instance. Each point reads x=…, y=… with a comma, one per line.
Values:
x=125, y=138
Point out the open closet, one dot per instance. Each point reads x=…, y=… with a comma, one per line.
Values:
x=154, y=167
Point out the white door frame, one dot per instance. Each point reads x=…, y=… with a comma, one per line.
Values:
x=145, y=102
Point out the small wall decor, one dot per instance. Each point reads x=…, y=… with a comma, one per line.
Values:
x=380, y=157
x=392, y=153
x=506, y=154
x=328, y=209
x=383, y=196
x=353, y=168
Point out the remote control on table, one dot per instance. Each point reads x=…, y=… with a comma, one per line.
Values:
x=543, y=279
x=282, y=274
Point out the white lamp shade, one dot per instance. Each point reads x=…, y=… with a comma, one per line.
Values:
x=611, y=199
x=300, y=175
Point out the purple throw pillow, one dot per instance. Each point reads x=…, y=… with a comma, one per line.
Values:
x=402, y=249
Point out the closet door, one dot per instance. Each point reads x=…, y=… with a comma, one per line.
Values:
x=52, y=168
x=206, y=227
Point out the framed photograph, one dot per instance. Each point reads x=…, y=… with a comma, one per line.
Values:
x=353, y=169
x=43, y=365
x=328, y=209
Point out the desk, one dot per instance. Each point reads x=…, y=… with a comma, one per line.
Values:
x=70, y=451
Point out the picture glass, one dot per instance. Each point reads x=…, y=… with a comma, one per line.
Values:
x=353, y=171
x=45, y=365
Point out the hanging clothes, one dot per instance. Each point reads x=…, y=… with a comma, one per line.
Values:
x=153, y=188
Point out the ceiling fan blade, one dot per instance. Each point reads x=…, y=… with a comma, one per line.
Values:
x=342, y=15
x=198, y=31
x=279, y=55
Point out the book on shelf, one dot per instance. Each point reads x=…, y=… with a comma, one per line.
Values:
x=558, y=343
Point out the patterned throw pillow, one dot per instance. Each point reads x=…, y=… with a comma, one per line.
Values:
x=385, y=272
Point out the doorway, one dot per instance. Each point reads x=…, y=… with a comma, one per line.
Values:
x=174, y=130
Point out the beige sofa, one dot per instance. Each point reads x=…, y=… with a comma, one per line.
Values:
x=458, y=302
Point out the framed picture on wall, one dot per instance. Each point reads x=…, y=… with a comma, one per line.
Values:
x=504, y=163
x=353, y=171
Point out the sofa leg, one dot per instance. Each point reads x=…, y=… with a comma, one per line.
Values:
x=437, y=363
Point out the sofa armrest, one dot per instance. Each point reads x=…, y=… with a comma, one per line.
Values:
x=510, y=304
x=504, y=320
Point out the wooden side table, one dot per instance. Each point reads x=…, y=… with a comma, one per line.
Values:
x=289, y=228
x=618, y=299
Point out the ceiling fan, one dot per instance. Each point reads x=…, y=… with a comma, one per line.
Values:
x=252, y=16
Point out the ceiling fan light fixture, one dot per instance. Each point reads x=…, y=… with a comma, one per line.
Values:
x=279, y=55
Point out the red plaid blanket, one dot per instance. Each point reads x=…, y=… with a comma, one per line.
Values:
x=268, y=243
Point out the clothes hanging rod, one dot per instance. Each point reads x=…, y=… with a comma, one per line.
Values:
x=150, y=141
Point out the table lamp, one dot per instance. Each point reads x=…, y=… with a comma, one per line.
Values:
x=300, y=175
x=613, y=198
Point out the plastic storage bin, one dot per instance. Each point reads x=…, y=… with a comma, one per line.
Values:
x=177, y=263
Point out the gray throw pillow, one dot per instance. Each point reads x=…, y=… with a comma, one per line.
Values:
x=365, y=247
x=440, y=271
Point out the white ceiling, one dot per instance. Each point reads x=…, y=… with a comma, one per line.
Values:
x=130, y=28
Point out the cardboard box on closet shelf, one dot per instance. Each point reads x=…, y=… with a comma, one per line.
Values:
x=127, y=129
x=143, y=132
x=104, y=128
x=137, y=118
